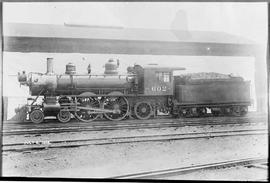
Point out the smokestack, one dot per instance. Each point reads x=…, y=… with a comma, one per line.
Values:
x=49, y=66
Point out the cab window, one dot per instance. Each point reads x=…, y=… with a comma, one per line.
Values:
x=163, y=76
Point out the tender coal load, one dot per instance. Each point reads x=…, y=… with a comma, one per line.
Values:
x=206, y=77
x=212, y=89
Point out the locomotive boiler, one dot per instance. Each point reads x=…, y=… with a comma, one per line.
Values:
x=142, y=92
x=71, y=83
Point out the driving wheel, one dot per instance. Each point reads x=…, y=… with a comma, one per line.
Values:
x=85, y=113
x=119, y=106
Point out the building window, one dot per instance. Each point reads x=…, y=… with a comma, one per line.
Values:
x=163, y=76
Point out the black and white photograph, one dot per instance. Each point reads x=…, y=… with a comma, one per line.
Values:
x=135, y=90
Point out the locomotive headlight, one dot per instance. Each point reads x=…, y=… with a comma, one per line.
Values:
x=22, y=78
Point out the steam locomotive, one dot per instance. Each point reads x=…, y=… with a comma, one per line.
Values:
x=142, y=93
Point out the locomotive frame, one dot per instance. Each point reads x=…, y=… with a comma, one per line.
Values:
x=141, y=93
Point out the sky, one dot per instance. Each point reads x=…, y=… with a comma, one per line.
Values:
x=247, y=20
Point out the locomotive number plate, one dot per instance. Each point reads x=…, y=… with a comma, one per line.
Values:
x=158, y=88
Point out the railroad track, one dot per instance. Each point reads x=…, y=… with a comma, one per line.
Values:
x=113, y=127
x=41, y=145
x=74, y=122
x=27, y=129
x=167, y=173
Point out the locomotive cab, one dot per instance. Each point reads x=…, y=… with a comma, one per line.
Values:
x=159, y=80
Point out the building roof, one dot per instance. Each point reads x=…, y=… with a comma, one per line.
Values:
x=118, y=33
x=20, y=37
x=160, y=68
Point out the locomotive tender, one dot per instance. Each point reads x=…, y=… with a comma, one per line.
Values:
x=142, y=92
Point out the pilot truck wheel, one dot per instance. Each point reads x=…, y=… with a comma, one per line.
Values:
x=36, y=116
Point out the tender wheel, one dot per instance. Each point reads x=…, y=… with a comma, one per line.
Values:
x=220, y=111
x=216, y=113
x=202, y=112
x=119, y=105
x=86, y=115
x=143, y=110
x=36, y=116
x=186, y=112
x=244, y=110
x=181, y=112
x=236, y=111
x=64, y=116
x=227, y=111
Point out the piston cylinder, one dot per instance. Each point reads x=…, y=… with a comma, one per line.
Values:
x=50, y=106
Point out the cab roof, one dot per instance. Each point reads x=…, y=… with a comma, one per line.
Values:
x=161, y=68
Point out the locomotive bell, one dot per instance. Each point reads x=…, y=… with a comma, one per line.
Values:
x=70, y=69
x=111, y=67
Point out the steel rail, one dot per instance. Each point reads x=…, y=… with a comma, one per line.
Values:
x=52, y=122
x=157, y=174
x=75, y=123
x=18, y=147
x=113, y=126
x=248, y=116
x=9, y=123
x=117, y=126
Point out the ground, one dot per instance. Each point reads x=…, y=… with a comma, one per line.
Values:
x=104, y=161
